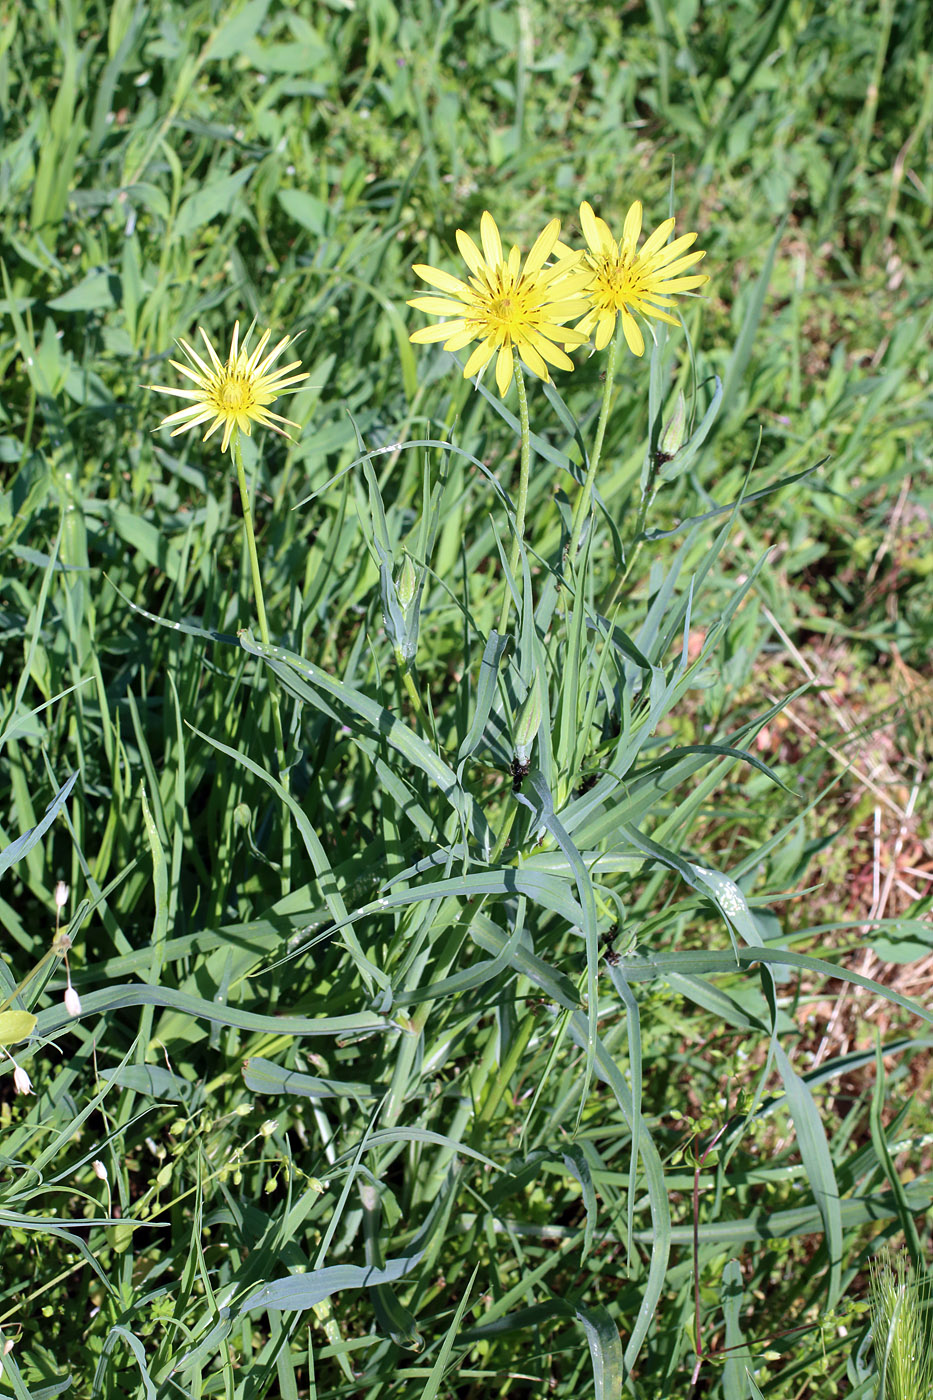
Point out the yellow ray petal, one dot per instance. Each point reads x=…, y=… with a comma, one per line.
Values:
x=532, y=359
x=437, y=306
x=480, y=358
x=504, y=368
x=605, y=325
x=492, y=244
x=426, y=335
x=443, y=281
x=632, y=332
x=469, y=252
x=215, y=359
x=541, y=249
x=630, y=231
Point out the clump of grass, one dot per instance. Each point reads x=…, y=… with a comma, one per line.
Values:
x=902, y=1330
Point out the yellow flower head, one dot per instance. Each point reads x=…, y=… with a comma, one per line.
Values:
x=623, y=279
x=505, y=305
x=235, y=393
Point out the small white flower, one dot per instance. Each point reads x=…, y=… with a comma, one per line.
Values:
x=21, y=1081
x=61, y=894
x=99, y=1170
x=72, y=1001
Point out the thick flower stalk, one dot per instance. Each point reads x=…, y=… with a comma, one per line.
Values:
x=506, y=305
x=232, y=393
x=624, y=279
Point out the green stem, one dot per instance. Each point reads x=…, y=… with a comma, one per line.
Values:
x=498, y=1083
x=263, y=631
x=423, y=716
x=584, y=500
x=250, y=538
x=651, y=490
x=524, y=469
x=514, y=557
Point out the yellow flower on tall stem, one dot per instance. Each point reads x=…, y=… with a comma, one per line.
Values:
x=236, y=392
x=625, y=279
x=506, y=306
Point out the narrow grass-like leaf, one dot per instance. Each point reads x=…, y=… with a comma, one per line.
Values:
x=116, y=1334
x=55, y=1019
x=438, y=1370
x=263, y=1077
x=733, y=1296
x=544, y=815
x=883, y=1155
x=485, y=695
x=322, y=867
x=602, y=1336
x=574, y=1160
x=289, y=668
x=742, y=350
x=802, y=1220
x=25, y=843
x=746, y=499
x=304, y=1290
x=712, y=961
x=818, y=1161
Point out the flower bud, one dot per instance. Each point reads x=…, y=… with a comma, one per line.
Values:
x=61, y=894
x=21, y=1081
x=72, y=1001
x=674, y=430
x=99, y=1170
x=407, y=582
x=527, y=723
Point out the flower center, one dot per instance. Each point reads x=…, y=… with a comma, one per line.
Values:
x=617, y=277
x=234, y=396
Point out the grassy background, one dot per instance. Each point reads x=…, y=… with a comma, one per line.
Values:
x=427, y=1091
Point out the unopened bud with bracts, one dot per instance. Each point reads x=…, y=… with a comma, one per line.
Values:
x=407, y=582
x=527, y=724
x=674, y=431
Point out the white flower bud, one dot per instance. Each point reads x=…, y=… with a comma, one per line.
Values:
x=72, y=1001
x=61, y=894
x=99, y=1170
x=21, y=1081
